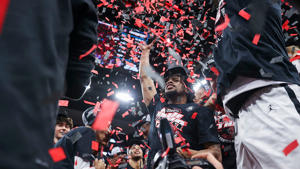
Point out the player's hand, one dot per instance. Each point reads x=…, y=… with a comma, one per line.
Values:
x=116, y=160
x=186, y=152
x=144, y=47
x=99, y=164
x=211, y=102
x=210, y=158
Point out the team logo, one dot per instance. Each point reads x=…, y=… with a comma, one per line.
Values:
x=174, y=116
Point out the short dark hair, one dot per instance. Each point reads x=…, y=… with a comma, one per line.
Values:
x=63, y=118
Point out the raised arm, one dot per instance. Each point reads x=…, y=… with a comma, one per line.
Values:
x=147, y=84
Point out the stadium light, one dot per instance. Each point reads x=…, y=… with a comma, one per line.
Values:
x=124, y=97
x=199, y=84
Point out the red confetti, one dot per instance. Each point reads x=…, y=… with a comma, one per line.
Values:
x=194, y=115
x=97, y=108
x=162, y=100
x=256, y=39
x=285, y=25
x=105, y=116
x=139, y=9
x=57, y=154
x=165, y=153
x=3, y=10
x=147, y=146
x=215, y=70
x=119, y=128
x=244, y=14
x=63, y=103
x=292, y=146
x=88, y=52
x=224, y=25
x=295, y=58
x=94, y=71
x=178, y=140
x=125, y=114
x=90, y=103
x=110, y=93
x=138, y=22
x=95, y=145
x=102, y=148
x=115, y=84
x=111, y=147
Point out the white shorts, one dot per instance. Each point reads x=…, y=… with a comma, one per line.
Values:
x=268, y=130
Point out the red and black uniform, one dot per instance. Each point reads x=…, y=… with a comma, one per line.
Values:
x=193, y=125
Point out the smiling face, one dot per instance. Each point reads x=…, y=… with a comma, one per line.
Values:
x=175, y=85
x=136, y=152
x=61, y=129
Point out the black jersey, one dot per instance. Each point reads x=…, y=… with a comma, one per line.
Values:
x=192, y=124
x=78, y=142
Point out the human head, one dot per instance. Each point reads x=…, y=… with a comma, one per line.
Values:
x=88, y=118
x=292, y=50
x=62, y=127
x=176, y=82
x=135, y=152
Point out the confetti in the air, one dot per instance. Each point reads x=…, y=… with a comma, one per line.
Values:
x=3, y=10
x=57, y=154
x=105, y=116
x=289, y=148
x=63, y=103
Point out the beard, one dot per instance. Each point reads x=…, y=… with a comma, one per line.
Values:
x=136, y=158
x=171, y=94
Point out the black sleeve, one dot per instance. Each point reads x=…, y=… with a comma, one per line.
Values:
x=83, y=146
x=68, y=162
x=207, y=131
x=153, y=104
x=83, y=38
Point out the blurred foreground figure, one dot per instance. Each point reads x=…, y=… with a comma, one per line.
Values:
x=41, y=43
x=258, y=85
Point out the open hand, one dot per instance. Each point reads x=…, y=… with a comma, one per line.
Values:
x=145, y=47
x=99, y=164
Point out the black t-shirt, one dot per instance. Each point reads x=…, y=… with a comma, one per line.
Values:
x=190, y=122
x=225, y=127
x=237, y=53
x=78, y=142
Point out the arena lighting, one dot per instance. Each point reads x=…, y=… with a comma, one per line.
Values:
x=196, y=86
x=203, y=82
x=124, y=97
x=199, y=84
